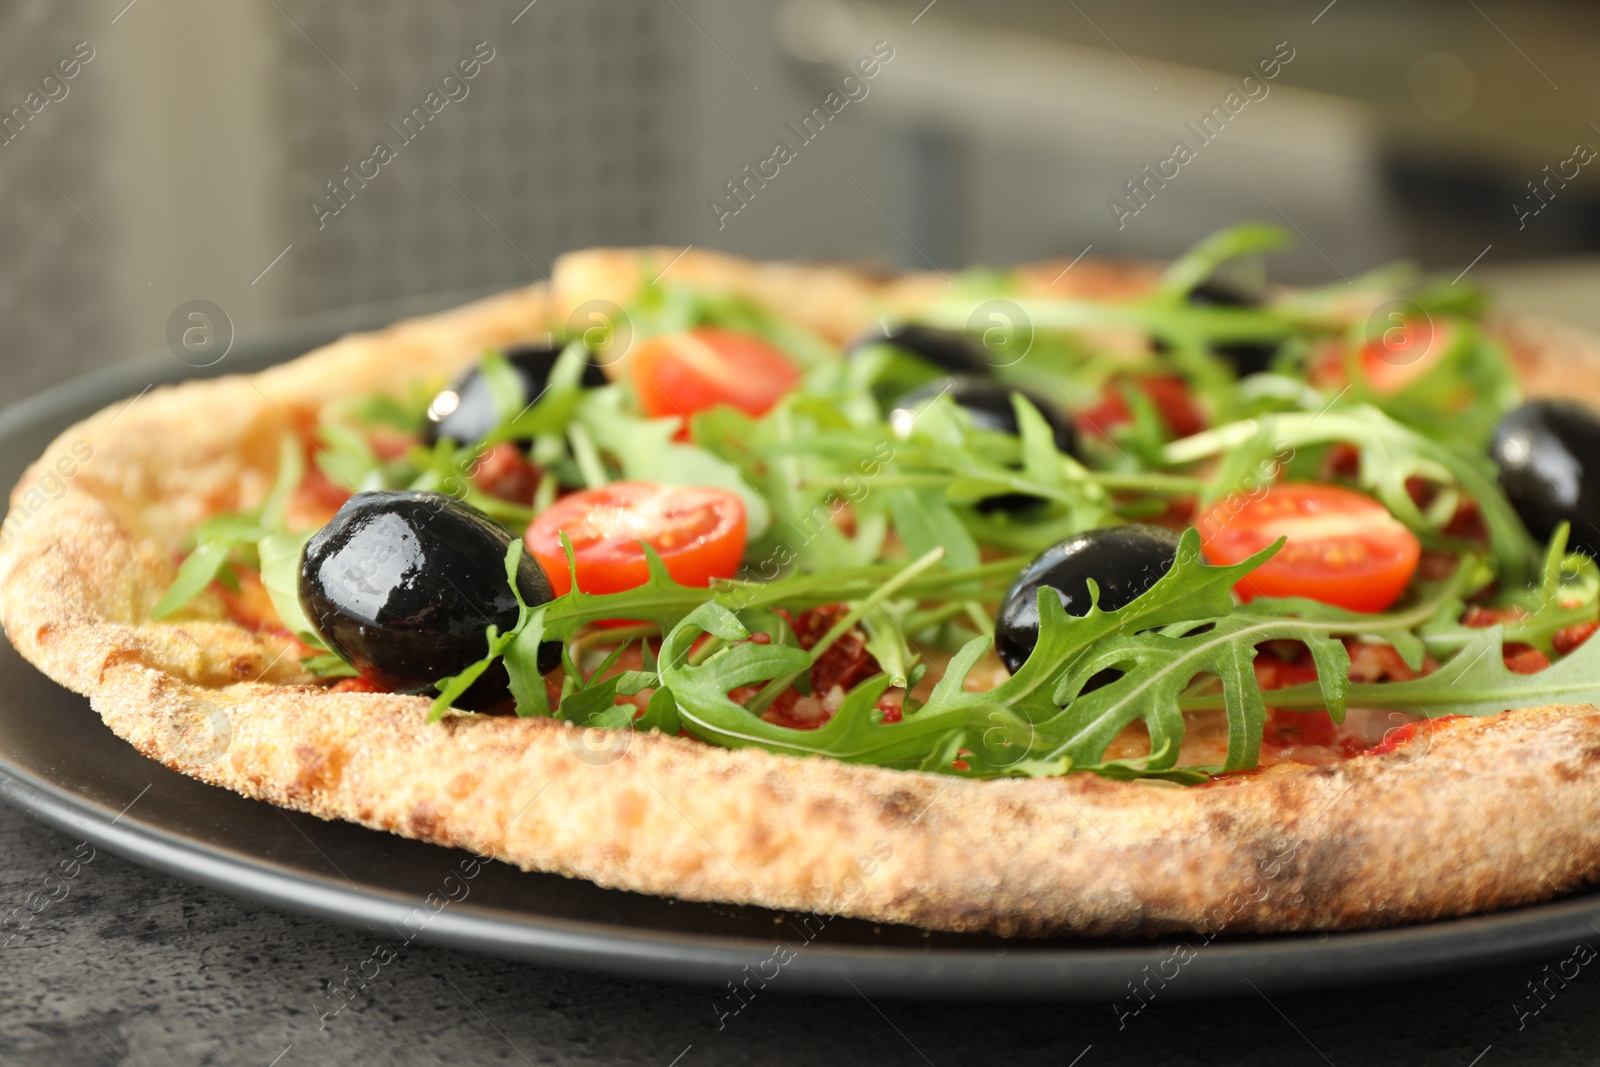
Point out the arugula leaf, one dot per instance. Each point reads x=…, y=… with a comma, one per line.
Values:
x=1466, y=389
x=524, y=418
x=448, y=469
x=645, y=450
x=382, y=409
x=216, y=539
x=1568, y=594
x=1475, y=681
x=280, y=573
x=1185, y=628
x=328, y=665
x=1200, y=262
x=1005, y=731
x=665, y=308
x=274, y=512
x=504, y=385
x=925, y=522
x=265, y=531
x=197, y=571
x=666, y=603
x=347, y=458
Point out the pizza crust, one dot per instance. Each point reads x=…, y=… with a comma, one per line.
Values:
x=1471, y=816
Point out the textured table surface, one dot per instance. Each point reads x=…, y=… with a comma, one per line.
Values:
x=134, y=966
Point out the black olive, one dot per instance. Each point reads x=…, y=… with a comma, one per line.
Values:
x=1247, y=357
x=1124, y=561
x=465, y=411
x=951, y=352
x=989, y=404
x=1548, y=452
x=403, y=585
x=1225, y=292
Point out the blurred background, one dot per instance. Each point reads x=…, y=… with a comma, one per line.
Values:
x=226, y=151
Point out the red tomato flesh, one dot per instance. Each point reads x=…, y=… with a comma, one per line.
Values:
x=1169, y=393
x=699, y=532
x=1344, y=548
x=1403, y=354
x=684, y=374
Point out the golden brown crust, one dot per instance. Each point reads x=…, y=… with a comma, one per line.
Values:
x=1478, y=814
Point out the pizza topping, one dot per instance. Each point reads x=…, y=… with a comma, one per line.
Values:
x=1378, y=662
x=1343, y=548
x=1122, y=561
x=504, y=472
x=845, y=664
x=698, y=533
x=403, y=585
x=989, y=407
x=1246, y=357
x=1407, y=734
x=887, y=611
x=1568, y=639
x=1171, y=396
x=1402, y=354
x=1547, y=453
x=470, y=409
x=943, y=351
x=685, y=374
x=987, y=403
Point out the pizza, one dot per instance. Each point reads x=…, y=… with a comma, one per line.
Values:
x=1076, y=598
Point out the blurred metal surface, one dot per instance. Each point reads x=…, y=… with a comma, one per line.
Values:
x=567, y=137
x=54, y=319
x=1052, y=133
x=182, y=163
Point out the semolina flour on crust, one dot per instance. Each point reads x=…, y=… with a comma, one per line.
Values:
x=1472, y=815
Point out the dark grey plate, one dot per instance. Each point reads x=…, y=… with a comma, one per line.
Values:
x=59, y=762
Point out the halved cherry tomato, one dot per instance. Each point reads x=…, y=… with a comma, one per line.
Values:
x=1404, y=353
x=699, y=532
x=683, y=374
x=1168, y=392
x=1344, y=549
x=504, y=472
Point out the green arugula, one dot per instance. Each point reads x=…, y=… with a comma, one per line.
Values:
x=664, y=604
x=220, y=539
x=1202, y=261
x=261, y=538
x=1182, y=646
x=644, y=450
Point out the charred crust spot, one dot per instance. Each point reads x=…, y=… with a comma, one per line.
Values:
x=424, y=821
x=1221, y=823
x=758, y=838
x=899, y=806
x=319, y=771
x=825, y=809
x=1571, y=771
x=116, y=659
